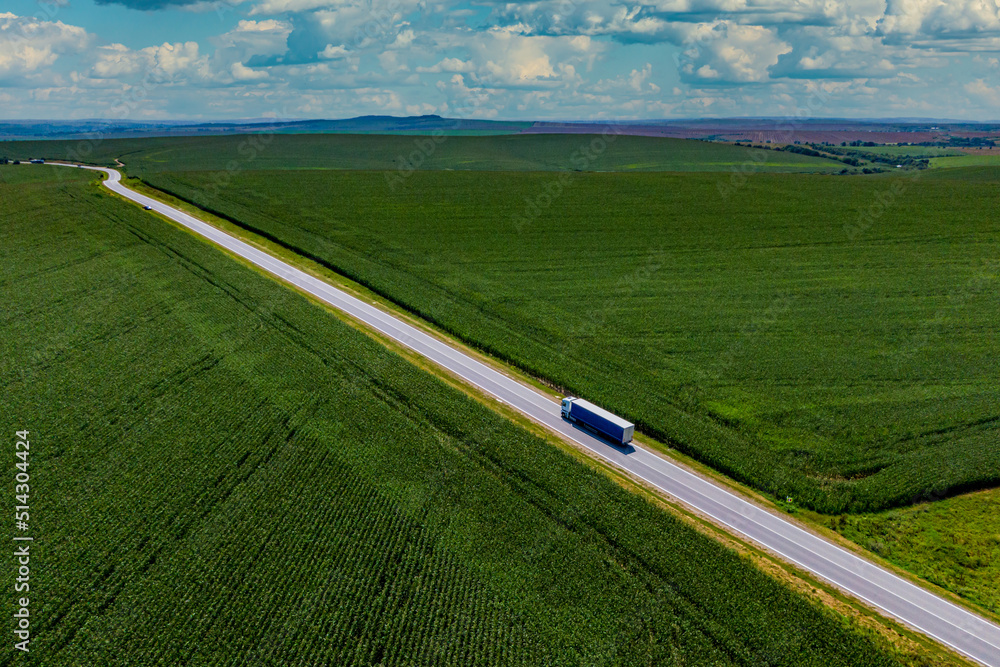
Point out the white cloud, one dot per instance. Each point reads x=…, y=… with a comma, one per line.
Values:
x=636, y=81
x=985, y=92
x=505, y=58
x=115, y=60
x=178, y=58
x=549, y=58
x=449, y=65
x=947, y=24
x=655, y=21
x=420, y=109
x=728, y=52
x=255, y=33
x=241, y=72
x=700, y=6
x=837, y=52
x=28, y=44
x=391, y=62
x=465, y=101
x=331, y=52
x=403, y=39
x=583, y=17
x=271, y=7
x=168, y=62
x=247, y=41
x=351, y=24
x=388, y=100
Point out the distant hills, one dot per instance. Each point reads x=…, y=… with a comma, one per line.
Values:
x=55, y=129
x=776, y=130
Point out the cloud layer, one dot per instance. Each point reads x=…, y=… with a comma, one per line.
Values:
x=536, y=59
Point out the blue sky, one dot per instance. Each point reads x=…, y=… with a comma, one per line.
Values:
x=544, y=59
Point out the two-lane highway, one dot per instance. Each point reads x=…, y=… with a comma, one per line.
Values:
x=896, y=597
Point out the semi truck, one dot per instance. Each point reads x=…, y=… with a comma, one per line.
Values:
x=610, y=426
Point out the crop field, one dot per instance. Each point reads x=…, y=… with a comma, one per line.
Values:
x=224, y=473
x=398, y=155
x=978, y=160
x=903, y=151
x=826, y=338
x=988, y=174
x=31, y=173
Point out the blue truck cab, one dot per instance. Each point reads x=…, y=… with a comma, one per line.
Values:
x=609, y=425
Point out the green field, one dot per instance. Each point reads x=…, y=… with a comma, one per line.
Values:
x=222, y=472
x=966, y=161
x=449, y=133
x=30, y=173
x=989, y=174
x=904, y=151
x=398, y=155
x=954, y=543
x=785, y=335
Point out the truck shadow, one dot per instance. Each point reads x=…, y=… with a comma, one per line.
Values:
x=594, y=433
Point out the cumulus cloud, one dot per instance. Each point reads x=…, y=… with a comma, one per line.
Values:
x=761, y=12
x=115, y=60
x=391, y=62
x=950, y=24
x=255, y=35
x=332, y=52
x=633, y=23
x=242, y=73
x=546, y=57
x=448, y=65
x=166, y=63
x=654, y=21
x=635, y=82
x=272, y=7
x=147, y=4
x=819, y=53
x=248, y=40
x=726, y=52
x=351, y=25
x=984, y=92
x=28, y=44
x=638, y=80
x=506, y=58
x=477, y=100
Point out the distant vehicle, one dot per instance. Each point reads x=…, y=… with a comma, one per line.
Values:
x=609, y=425
x=37, y=161
x=148, y=208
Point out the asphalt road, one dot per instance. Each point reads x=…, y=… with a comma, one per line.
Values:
x=916, y=607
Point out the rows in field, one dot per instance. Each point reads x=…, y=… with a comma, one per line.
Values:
x=161, y=447
x=228, y=475
x=755, y=333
